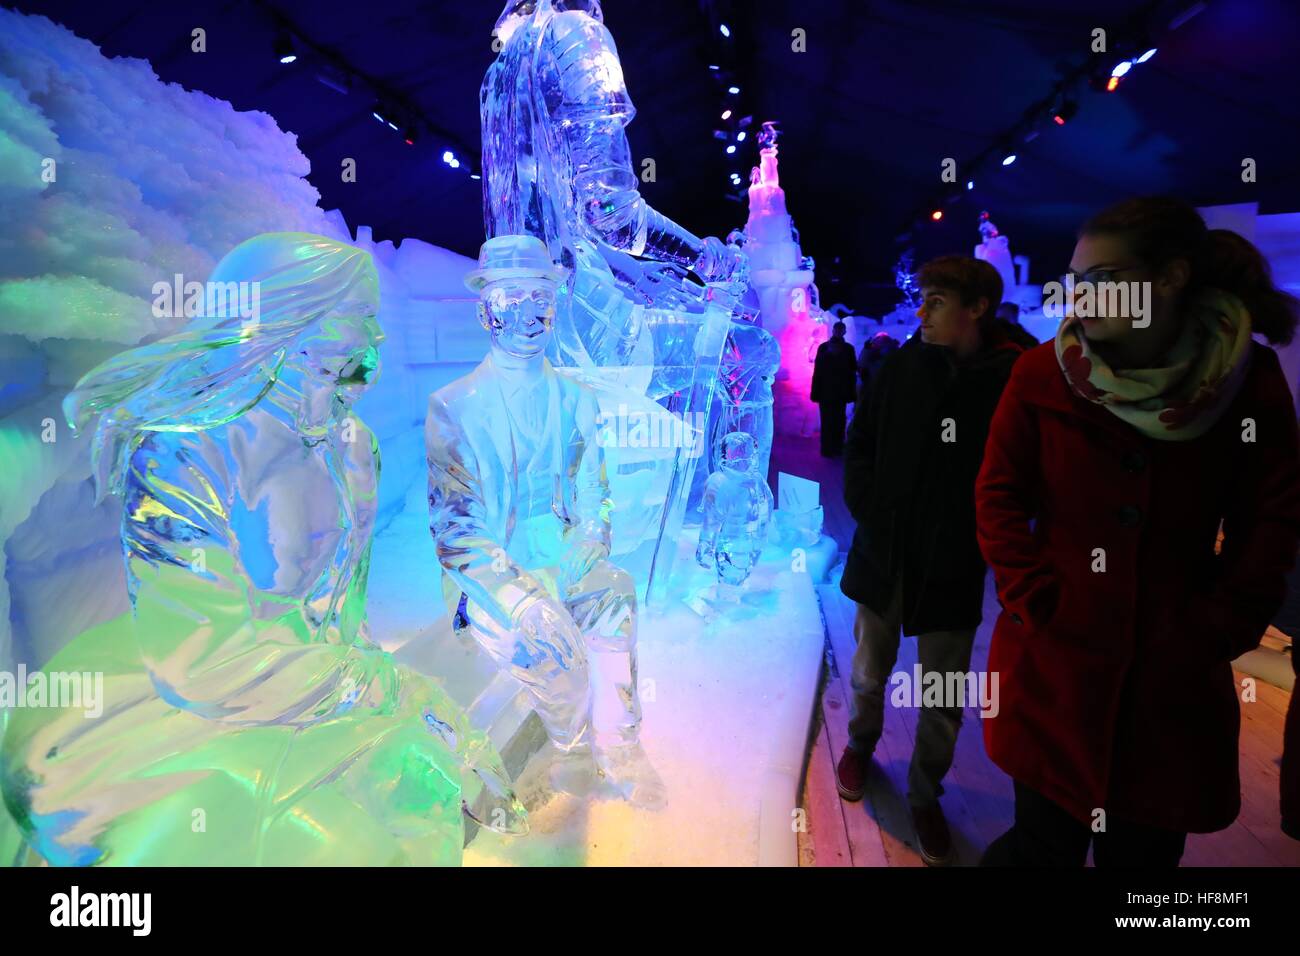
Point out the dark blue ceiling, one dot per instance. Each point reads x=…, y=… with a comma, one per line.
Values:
x=883, y=93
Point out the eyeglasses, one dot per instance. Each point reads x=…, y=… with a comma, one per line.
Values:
x=1093, y=276
x=512, y=309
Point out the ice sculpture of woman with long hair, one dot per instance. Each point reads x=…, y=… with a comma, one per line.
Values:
x=250, y=721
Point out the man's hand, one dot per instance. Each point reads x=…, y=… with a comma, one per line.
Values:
x=722, y=263
x=548, y=629
x=704, y=553
x=579, y=560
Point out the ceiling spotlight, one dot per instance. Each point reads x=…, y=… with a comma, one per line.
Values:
x=726, y=114
x=740, y=137
x=391, y=125
x=937, y=215
x=455, y=163
x=475, y=176
x=284, y=51
x=970, y=184
x=377, y=116
x=1064, y=112
x=1112, y=84
x=733, y=90
x=448, y=156
x=724, y=30
x=731, y=149
x=1147, y=55
x=1121, y=68
x=714, y=67
x=1008, y=159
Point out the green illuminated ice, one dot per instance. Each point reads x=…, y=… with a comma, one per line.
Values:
x=247, y=717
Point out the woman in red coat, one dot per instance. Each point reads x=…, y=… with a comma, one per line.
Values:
x=1115, y=455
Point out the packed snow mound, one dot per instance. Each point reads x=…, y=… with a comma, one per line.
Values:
x=111, y=180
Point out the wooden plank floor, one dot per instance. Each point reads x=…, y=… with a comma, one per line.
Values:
x=978, y=796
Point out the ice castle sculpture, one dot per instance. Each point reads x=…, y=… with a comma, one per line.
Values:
x=247, y=717
x=557, y=166
x=781, y=274
x=737, y=509
x=520, y=508
x=995, y=250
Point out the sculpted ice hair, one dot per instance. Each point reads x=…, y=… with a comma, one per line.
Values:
x=219, y=367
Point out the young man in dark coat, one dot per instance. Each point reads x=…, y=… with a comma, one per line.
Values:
x=909, y=474
x=834, y=385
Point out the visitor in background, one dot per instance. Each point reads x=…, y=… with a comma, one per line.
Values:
x=1009, y=323
x=909, y=474
x=873, y=354
x=1114, y=456
x=834, y=381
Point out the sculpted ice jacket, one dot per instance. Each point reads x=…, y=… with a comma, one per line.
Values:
x=475, y=470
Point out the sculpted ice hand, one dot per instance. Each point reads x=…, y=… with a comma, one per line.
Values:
x=520, y=511
x=737, y=509
x=249, y=683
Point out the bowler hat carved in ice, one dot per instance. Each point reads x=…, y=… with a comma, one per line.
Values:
x=513, y=257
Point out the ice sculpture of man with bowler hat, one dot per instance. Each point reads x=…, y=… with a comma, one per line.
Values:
x=520, y=511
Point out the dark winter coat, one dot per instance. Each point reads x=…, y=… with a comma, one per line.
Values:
x=1291, y=757
x=835, y=373
x=1116, y=687
x=912, y=492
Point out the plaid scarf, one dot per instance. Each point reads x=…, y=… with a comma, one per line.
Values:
x=1194, y=383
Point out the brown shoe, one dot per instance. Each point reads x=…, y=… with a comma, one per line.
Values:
x=933, y=837
x=851, y=774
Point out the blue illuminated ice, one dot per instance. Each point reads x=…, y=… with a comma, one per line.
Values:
x=737, y=509
x=520, y=510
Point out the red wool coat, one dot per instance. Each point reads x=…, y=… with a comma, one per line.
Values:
x=1115, y=687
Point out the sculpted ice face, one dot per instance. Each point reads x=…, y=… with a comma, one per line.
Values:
x=519, y=314
x=330, y=368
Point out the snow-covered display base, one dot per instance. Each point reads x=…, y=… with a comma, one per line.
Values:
x=727, y=705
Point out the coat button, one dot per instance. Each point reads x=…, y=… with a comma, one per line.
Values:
x=1134, y=461
x=1129, y=516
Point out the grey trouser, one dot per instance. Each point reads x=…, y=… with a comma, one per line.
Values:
x=945, y=652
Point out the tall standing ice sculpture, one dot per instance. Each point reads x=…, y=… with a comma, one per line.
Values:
x=250, y=720
x=737, y=509
x=557, y=166
x=519, y=507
